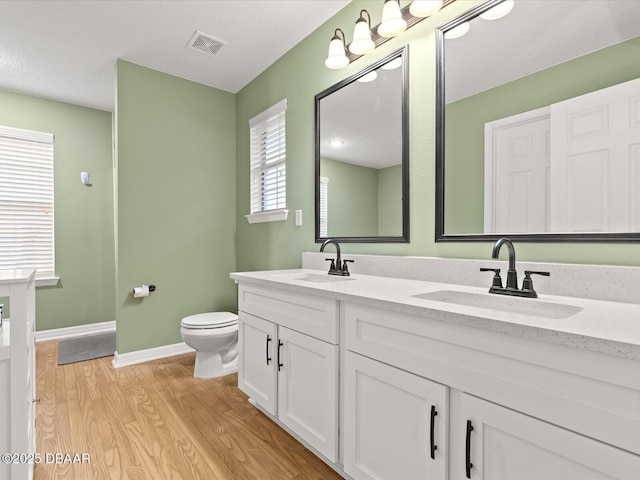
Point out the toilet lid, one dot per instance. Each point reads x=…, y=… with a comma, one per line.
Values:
x=210, y=320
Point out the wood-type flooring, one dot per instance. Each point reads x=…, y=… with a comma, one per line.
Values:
x=154, y=421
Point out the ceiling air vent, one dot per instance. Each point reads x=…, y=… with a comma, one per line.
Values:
x=201, y=42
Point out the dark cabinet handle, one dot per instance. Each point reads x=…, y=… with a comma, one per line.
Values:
x=279, y=364
x=468, y=464
x=268, y=357
x=432, y=439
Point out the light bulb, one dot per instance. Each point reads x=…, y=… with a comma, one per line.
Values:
x=337, y=57
x=498, y=11
x=458, y=31
x=362, y=42
x=392, y=22
x=424, y=8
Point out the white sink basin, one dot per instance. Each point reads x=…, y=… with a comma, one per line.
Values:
x=319, y=278
x=523, y=306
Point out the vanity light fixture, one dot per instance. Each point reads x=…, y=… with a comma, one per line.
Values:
x=365, y=38
x=337, y=57
x=362, y=42
x=498, y=11
x=458, y=31
x=392, y=22
x=424, y=8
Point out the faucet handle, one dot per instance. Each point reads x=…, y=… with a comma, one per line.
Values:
x=345, y=268
x=497, y=279
x=332, y=267
x=527, y=283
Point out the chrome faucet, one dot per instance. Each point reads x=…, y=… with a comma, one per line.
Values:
x=512, y=275
x=338, y=266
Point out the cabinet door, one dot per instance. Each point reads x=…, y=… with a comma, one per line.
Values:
x=395, y=423
x=495, y=443
x=308, y=390
x=257, y=364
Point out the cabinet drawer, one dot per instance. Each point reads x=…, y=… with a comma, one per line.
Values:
x=308, y=314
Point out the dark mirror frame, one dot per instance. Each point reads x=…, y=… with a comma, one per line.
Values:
x=440, y=234
x=404, y=238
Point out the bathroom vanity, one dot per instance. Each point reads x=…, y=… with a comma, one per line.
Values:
x=17, y=375
x=392, y=378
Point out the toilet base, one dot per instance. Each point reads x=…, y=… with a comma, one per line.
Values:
x=210, y=365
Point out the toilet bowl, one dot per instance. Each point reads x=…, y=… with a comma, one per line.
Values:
x=214, y=337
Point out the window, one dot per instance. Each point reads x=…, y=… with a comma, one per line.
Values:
x=324, y=205
x=26, y=201
x=268, y=165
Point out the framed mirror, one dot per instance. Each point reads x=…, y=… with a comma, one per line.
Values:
x=361, y=155
x=538, y=122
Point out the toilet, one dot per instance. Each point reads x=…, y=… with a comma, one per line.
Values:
x=214, y=337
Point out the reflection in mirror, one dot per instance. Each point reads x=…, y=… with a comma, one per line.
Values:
x=539, y=123
x=361, y=155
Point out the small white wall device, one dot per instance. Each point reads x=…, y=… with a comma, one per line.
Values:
x=84, y=178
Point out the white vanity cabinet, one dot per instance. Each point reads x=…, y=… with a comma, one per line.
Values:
x=517, y=408
x=396, y=423
x=17, y=373
x=492, y=442
x=434, y=391
x=288, y=362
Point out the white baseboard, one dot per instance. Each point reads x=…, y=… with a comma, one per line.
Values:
x=141, y=356
x=89, y=329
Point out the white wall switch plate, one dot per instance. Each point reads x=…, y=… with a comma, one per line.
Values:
x=298, y=218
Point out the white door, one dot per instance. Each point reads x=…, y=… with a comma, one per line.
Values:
x=595, y=161
x=395, y=423
x=517, y=173
x=492, y=442
x=257, y=363
x=308, y=390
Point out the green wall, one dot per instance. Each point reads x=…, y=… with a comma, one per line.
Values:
x=83, y=215
x=181, y=187
x=299, y=75
x=352, y=190
x=363, y=201
x=466, y=118
x=175, y=203
x=390, y=201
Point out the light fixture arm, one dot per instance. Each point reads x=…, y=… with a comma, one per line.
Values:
x=368, y=17
x=337, y=37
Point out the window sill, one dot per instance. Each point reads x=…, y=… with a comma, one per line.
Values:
x=270, y=216
x=47, y=282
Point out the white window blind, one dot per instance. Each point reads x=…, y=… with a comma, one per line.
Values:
x=26, y=201
x=324, y=205
x=268, y=159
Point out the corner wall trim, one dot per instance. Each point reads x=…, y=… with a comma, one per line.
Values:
x=78, y=330
x=149, y=354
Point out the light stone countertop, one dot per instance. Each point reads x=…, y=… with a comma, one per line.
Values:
x=607, y=327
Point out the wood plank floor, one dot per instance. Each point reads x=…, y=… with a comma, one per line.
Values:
x=155, y=421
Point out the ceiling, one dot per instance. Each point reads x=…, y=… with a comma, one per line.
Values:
x=361, y=123
x=541, y=34
x=66, y=50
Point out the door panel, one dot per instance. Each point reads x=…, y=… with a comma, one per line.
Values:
x=308, y=390
x=257, y=372
x=504, y=444
x=389, y=421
